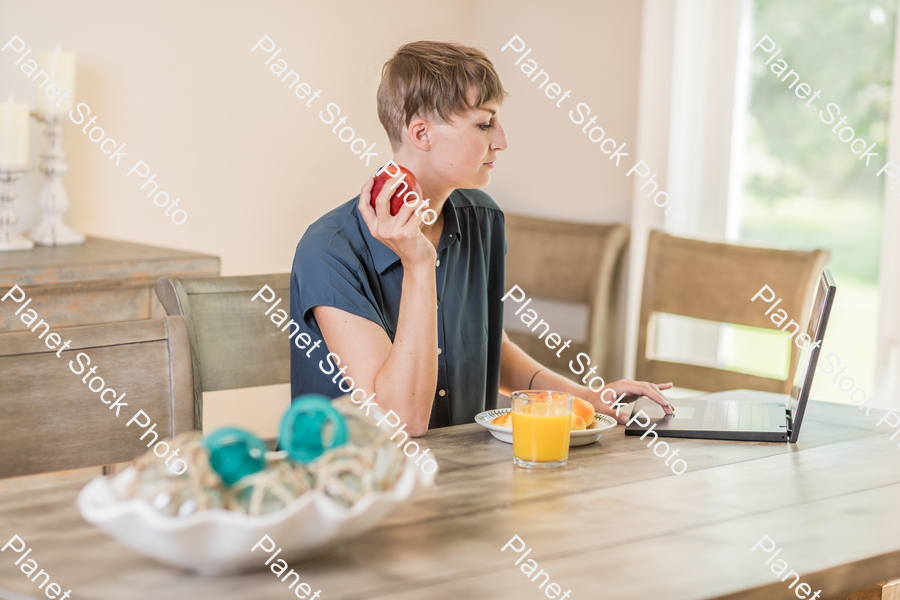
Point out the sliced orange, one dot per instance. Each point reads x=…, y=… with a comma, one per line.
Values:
x=578, y=422
x=503, y=420
x=583, y=409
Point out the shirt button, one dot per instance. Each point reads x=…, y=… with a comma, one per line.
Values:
x=439, y=350
x=442, y=392
x=437, y=263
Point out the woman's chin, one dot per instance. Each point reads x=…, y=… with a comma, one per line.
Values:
x=479, y=181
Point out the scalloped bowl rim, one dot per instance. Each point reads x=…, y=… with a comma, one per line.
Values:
x=105, y=510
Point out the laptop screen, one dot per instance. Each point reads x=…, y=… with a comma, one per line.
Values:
x=809, y=355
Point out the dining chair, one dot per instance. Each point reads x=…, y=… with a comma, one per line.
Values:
x=51, y=420
x=715, y=281
x=233, y=344
x=570, y=262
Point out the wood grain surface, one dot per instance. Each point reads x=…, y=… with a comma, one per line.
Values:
x=99, y=259
x=102, y=281
x=50, y=419
x=680, y=271
x=234, y=344
x=615, y=523
x=571, y=262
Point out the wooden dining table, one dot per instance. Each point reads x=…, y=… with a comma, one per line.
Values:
x=614, y=523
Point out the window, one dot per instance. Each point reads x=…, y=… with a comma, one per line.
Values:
x=800, y=184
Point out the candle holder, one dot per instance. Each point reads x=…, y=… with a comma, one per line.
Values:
x=53, y=199
x=11, y=241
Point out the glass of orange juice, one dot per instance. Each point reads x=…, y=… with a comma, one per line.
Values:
x=540, y=424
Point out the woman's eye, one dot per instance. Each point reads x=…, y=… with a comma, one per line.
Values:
x=484, y=127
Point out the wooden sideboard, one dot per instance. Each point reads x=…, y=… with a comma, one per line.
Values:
x=102, y=281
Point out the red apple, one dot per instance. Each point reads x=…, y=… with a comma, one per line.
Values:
x=399, y=192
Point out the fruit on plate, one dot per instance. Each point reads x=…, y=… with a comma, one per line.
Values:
x=582, y=416
x=504, y=420
x=400, y=190
x=583, y=409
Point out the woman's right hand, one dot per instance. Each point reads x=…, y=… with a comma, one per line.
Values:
x=402, y=232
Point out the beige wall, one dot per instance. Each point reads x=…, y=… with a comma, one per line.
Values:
x=253, y=166
x=177, y=82
x=551, y=169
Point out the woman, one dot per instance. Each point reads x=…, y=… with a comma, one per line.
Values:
x=410, y=311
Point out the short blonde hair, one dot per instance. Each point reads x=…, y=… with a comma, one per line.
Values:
x=425, y=78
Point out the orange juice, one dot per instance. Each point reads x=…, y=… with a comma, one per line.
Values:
x=541, y=432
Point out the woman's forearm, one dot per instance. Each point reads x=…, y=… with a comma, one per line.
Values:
x=516, y=367
x=517, y=370
x=406, y=381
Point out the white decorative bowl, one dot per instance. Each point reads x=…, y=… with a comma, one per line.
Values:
x=218, y=541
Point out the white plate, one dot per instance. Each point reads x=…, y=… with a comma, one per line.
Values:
x=577, y=437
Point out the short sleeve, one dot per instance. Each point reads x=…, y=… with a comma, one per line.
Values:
x=327, y=272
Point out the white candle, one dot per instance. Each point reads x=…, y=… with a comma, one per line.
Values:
x=13, y=133
x=61, y=68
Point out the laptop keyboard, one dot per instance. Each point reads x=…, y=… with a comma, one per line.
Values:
x=738, y=415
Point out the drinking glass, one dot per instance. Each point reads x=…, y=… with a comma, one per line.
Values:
x=541, y=421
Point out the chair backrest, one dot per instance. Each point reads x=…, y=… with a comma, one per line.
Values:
x=571, y=262
x=51, y=420
x=715, y=281
x=233, y=343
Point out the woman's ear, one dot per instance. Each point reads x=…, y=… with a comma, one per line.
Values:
x=420, y=134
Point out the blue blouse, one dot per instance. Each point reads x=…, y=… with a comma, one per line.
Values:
x=338, y=263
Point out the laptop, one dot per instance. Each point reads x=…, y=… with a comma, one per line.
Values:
x=745, y=414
